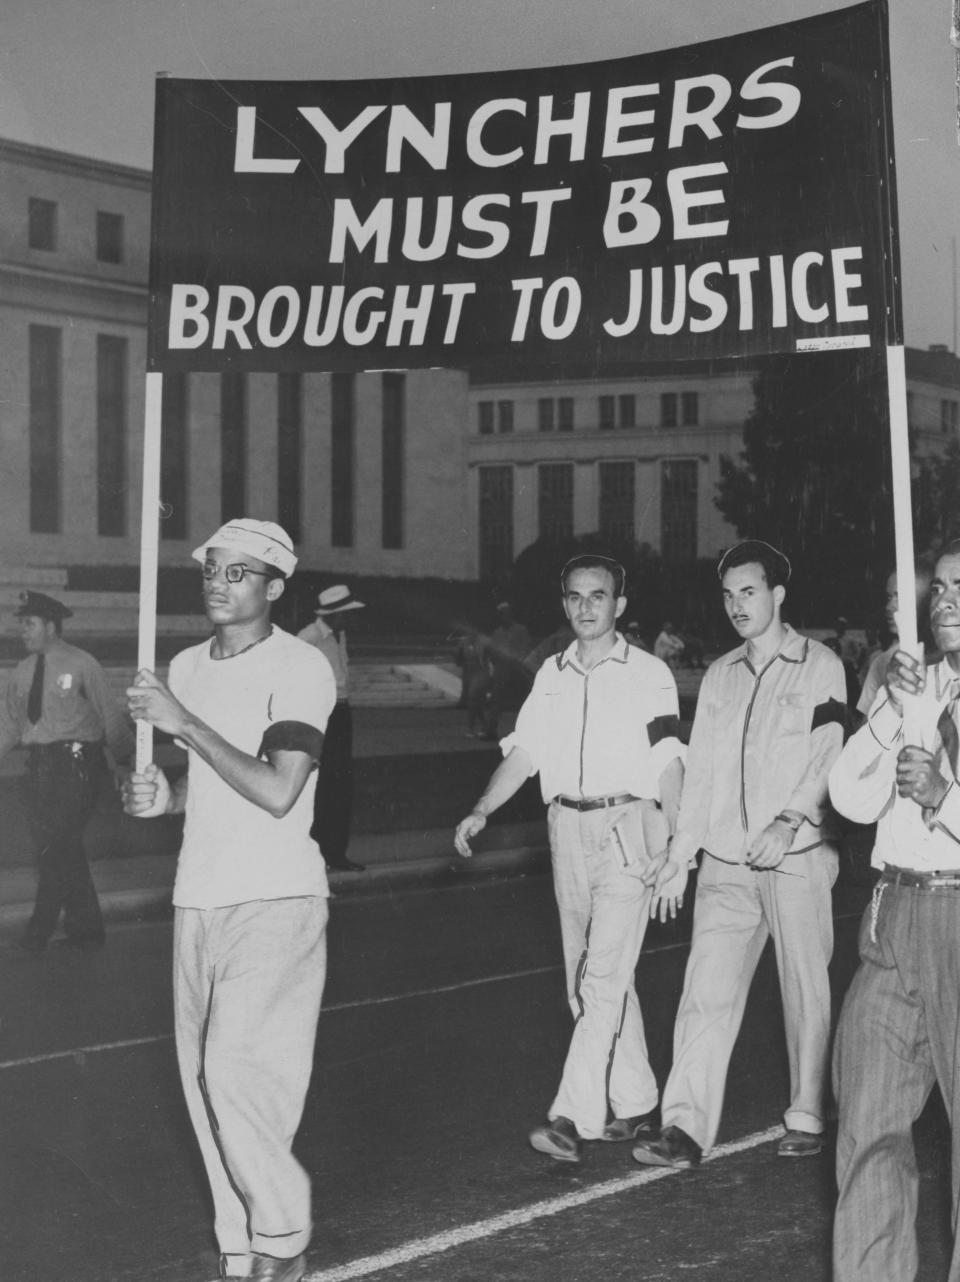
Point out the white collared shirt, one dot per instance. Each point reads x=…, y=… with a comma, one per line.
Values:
x=604, y=732
x=863, y=782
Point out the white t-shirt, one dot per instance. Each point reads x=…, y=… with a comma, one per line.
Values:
x=234, y=851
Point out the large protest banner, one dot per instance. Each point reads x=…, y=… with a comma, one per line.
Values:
x=724, y=199
x=727, y=199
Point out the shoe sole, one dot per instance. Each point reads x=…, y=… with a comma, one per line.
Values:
x=800, y=1152
x=647, y=1158
x=541, y=1144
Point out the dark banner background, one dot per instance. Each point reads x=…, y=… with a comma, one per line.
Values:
x=821, y=182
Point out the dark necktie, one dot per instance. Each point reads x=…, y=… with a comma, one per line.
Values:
x=947, y=730
x=949, y=744
x=35, y=697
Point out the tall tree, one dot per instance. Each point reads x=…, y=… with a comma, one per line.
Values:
x=814, y=478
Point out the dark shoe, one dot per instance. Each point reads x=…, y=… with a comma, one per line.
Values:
x=800, y=1144
x=32, y=943
x=267, y=1268
x=559, y=1139
x=632, y=1128
x=672, y=1147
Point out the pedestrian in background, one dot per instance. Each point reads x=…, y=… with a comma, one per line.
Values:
x=601, y=728
x=668, y=645
x=768, y=726
x=59, y=706
x=897, y=1035
x=333, y=804
x=250, y=898
x=476, y=680
x=509, y=644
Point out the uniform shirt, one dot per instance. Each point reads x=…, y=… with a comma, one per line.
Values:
x=334, y=650
x=863, y=783
x=761, y=742
x=278, y=694
x=600, y=733
x=78, y=705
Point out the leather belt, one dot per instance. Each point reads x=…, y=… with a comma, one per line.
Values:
x=595, y=803
x=892, y=876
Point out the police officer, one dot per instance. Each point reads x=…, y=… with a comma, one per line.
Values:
x=59, y=707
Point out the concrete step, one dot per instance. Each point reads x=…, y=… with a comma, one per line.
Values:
x=104, y=613
x=44, y=578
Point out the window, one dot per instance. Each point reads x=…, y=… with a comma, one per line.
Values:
x=342, y=463
x=690, y=408
x=555, y=501
x=45, y=416
x=173, y=455
x=485, y=418
x=42, y=229
x=608, y=409
x=616, y=502
x=678, y=510
x=628, y=410
x=948, y=416
x=109, y=237
x=111, y=435
x=668, y=409
x=545, y=421
x=392, y=454
x=496, y=521
x=504, y=416
x=289, y=451
x=233, y=445
x=565, y=413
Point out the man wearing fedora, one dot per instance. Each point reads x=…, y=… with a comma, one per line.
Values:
x=333, y=803
x=58, y=705
x=250, y=705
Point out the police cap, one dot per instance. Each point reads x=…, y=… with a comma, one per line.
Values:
x=40, y=606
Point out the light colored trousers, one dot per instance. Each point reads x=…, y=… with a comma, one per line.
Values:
x=247, y=985
x=603, y=908
x=735, y=913
x=899, y=1032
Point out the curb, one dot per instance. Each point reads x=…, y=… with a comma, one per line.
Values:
x=153, y=902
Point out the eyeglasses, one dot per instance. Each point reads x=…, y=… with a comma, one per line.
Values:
x=232, y=573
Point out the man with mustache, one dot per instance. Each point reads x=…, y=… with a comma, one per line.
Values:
x=897, y=1035
x=768, y=727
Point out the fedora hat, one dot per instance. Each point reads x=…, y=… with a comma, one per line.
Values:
x=333, y=600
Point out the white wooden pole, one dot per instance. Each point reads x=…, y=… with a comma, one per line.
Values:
x=906, y=617
x=149, y=550
x=902, y=508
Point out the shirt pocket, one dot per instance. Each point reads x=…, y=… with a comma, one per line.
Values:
x=794, y=714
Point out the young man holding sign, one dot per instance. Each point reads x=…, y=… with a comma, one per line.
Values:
x=250, y=705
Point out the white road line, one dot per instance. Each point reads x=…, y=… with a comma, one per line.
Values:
x=78, y=1051
x=419, y=1248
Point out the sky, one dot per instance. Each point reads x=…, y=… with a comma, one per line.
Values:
x=78, y=76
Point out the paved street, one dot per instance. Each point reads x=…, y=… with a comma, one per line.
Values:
x=442, y=1036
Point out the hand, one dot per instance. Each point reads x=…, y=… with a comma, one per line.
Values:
x=905, y=676
x=466, y=829
x=770, y=848
x=918, y=777
x=147, y=795
x=149, y=700
x=668, y=877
